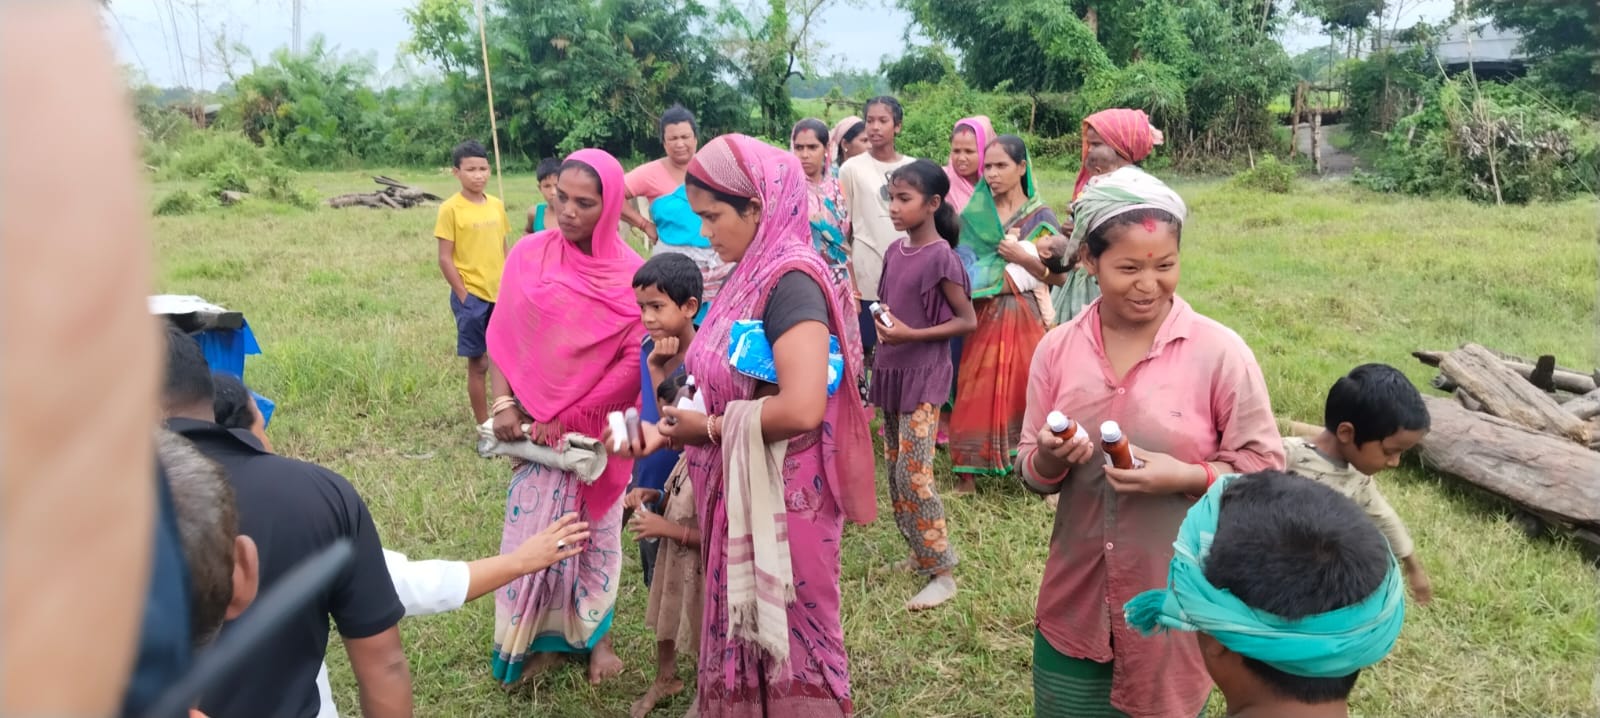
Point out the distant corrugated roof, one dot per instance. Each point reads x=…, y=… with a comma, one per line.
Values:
x=1479, y=41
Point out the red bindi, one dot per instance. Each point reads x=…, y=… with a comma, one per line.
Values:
x=1149, y=254
x=1149, y=225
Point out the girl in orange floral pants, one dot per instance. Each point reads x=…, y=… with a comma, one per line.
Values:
x=908, y=449
x=925, y=305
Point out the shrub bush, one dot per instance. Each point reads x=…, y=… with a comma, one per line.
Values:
x=279, y=185
x=1489, y=142
x=227, y=177
x=201, y=153
x=179, y=202
x=1269, y=175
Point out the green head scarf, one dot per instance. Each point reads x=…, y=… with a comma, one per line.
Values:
x=983, y=229
x=1326, y=645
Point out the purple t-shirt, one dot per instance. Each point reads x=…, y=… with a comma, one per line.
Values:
x=905, y=375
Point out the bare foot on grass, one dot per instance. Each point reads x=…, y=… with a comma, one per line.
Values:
x=603, y=662
x=539, y=663
x=1052, y=501
x=940, y=588
x=966, y=486
x=658, y=690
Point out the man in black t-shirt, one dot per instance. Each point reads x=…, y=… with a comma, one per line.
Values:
x=293, y=510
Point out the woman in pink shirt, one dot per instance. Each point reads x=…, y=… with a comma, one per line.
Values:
x=1188, y=394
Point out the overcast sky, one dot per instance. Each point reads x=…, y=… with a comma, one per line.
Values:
x=159, y=37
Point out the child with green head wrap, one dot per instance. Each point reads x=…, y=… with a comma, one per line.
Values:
x=1291, y=589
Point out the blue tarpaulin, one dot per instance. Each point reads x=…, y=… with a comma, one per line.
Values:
x=225, y=350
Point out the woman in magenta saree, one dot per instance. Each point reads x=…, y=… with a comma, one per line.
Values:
x=774, y=466
x=564, y=348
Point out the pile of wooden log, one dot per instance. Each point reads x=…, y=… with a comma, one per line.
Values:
x=394, y=195
x=1525, y=430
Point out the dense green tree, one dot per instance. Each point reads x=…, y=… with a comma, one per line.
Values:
x=588, y=73
x=927, y=63
x=319, y=108
x=1342, y=14
x=1314, y=65
x=1029, y=45
x=1205, y=69
x=1563, y=39
x=772, y=42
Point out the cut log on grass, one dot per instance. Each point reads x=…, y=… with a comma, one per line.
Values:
x=1561, y=378
x=1552, y=478
x=394, y=195
x=229, y=197
x=1584, y=407
x=1504, y=394
x=355, y=199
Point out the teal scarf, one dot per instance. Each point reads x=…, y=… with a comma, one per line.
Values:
x=1327, y=645
x=982, y=231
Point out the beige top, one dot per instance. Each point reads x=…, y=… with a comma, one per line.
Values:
x=1305, y=460
x=863, y=178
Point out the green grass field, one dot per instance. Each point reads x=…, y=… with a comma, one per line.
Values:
x=351, y=312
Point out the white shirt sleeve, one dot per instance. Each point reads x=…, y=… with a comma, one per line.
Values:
x=428, y=587
x=325, y=692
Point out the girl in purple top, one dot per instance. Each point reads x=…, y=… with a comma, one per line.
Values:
x=926, y=304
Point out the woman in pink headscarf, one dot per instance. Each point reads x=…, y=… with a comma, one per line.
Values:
x=967, y=143
x=564, y=348
x=778, y=468
x=847, y=139
x=1112, y=139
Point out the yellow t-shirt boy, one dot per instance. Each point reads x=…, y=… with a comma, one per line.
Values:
x=477, y=233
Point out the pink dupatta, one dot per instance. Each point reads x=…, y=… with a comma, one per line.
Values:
x=961, y=188
x=566, y=332
x=746, y=167
x=836, y=138
x=839, y=455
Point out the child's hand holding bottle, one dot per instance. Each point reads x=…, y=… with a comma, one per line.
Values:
x=890, y=330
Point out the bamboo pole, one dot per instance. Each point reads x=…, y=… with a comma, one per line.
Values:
x=488, y=85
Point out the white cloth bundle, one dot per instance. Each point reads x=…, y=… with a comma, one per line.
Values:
x=578, y=454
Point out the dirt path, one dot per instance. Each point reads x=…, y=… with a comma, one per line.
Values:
x=1335, y=162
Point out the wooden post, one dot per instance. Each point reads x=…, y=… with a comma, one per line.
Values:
x=1294, y=123
x=1316, y=141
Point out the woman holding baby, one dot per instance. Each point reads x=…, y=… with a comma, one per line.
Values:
x=999, y=228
